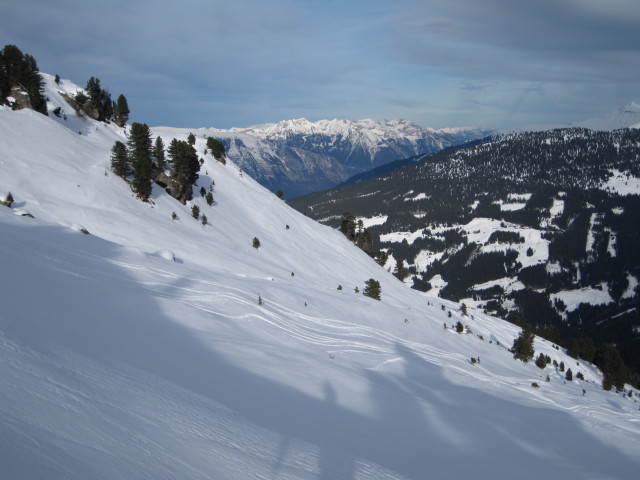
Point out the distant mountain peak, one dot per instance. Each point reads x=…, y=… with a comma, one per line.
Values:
x=627, y=116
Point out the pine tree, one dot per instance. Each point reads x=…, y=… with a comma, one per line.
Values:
x=459, y=327
x=158, y=152
x=99, y=99
x=523, y=345
x=140, y=153
x=216, y=147
x=569, y=375
x=614, y=371
x=119, y=159
x=184, y=161
x=255, y=242
x=195, y=212
x=541, y=361
x=401, y=272
x=209, y=198
x=191, y=139
x=348, y=225
x=372, y=289
x=8, y=201
x=122, y=110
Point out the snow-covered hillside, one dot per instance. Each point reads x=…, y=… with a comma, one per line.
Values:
x=140, y=350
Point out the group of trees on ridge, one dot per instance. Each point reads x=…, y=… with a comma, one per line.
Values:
x=21, y=80
x=19, y=73
x=97, y=104
x=145, y=161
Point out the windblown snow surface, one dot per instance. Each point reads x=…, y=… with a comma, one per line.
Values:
x=139, y=350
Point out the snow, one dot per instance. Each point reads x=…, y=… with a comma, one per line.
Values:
x=588, y=295
x=370, y=222
x=480, y=229
x=139, y=350
x=621, y=183
x=633, y=283
x=510, y=207
x=420, y=196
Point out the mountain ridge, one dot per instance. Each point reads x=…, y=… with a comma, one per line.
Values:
x=298, y=156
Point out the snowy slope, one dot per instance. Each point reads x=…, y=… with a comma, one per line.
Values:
x=118, y=362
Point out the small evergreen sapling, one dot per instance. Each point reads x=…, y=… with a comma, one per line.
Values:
x=541, y=361
x=209, y=198
x=195, y=212
x=8, y=200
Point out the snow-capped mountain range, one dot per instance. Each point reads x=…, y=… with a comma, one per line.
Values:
x=298, y=156
x=135, y=343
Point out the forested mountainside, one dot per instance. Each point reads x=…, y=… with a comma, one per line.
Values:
x=540, y=226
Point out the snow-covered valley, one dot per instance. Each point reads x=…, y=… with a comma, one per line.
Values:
x=163, y=348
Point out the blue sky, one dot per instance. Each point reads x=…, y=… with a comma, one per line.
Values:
x=197, y=63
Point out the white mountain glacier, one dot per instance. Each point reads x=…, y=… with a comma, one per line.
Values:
x=299, y=156
x=139, y=344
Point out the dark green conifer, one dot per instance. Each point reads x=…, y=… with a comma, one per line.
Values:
x=184, y=161
x=372, y=289
x=614, y=371
x=217, y=149
x=119, y=159
x=158, y=152
x=121, y=113
x=523, y=345
x=140, y=153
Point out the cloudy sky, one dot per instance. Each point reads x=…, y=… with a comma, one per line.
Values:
x=226, y=63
